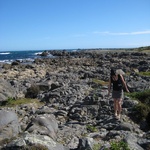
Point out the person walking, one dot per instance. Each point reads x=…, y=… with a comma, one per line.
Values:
x=117, y=82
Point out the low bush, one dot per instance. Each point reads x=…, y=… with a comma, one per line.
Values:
x=119, y=145
x=96, y=146
x=91, y=128
x=143, y=97
x=141, y=111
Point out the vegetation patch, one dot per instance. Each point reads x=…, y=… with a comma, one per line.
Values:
x=119, y=146
x=143, y=49
x=141, y=110
x=101, y=82
x=143, y=97
x=144, y=73
x=91, y=128
x=96, y=146
x=14, y=102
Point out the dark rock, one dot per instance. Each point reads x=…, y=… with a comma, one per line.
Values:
x=148, y=119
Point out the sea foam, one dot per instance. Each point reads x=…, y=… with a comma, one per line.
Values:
x=4, y=53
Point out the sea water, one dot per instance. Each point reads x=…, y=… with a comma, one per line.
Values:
x=10, y=56
x=23, y=56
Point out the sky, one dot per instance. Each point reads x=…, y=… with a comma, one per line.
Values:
x=73, y=24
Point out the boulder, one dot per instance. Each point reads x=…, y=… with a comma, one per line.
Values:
x=29, y=140
x=9, y=125
x=132, y=140
x=44, y=124
x=6, y=91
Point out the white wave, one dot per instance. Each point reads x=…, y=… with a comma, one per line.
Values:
x=25, y=60
x=4, y=53
x=29, y=59
x=6, y=61
x=20, y=60
x=38, y=53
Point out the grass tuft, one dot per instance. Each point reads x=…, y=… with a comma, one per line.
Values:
x=144, y=73
x=91, y=128
x=14, y=102
x=101, y=82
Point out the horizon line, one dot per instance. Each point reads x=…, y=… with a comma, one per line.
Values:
x=100, y=48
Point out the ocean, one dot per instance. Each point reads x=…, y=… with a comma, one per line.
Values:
x=22, y=56
x=10, y=56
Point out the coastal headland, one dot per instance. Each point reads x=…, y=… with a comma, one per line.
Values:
x=61, y=103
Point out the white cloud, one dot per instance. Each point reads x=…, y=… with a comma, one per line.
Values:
x=122, y=33
x=141, y=32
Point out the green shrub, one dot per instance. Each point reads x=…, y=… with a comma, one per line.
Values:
x=143, y=97
x=119, y=146
x=141, y=111
x=96, y=146
x=91, y=128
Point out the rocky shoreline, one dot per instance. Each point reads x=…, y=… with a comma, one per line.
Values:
x=75, y=113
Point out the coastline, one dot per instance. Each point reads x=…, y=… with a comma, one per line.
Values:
x=68, y=99
x=30, y=55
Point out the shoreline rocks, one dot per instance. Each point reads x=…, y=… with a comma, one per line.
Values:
x=72, y=91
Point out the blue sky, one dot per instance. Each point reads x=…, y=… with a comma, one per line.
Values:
x=71, y=24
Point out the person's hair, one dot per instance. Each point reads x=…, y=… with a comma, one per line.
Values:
x=113, y=72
